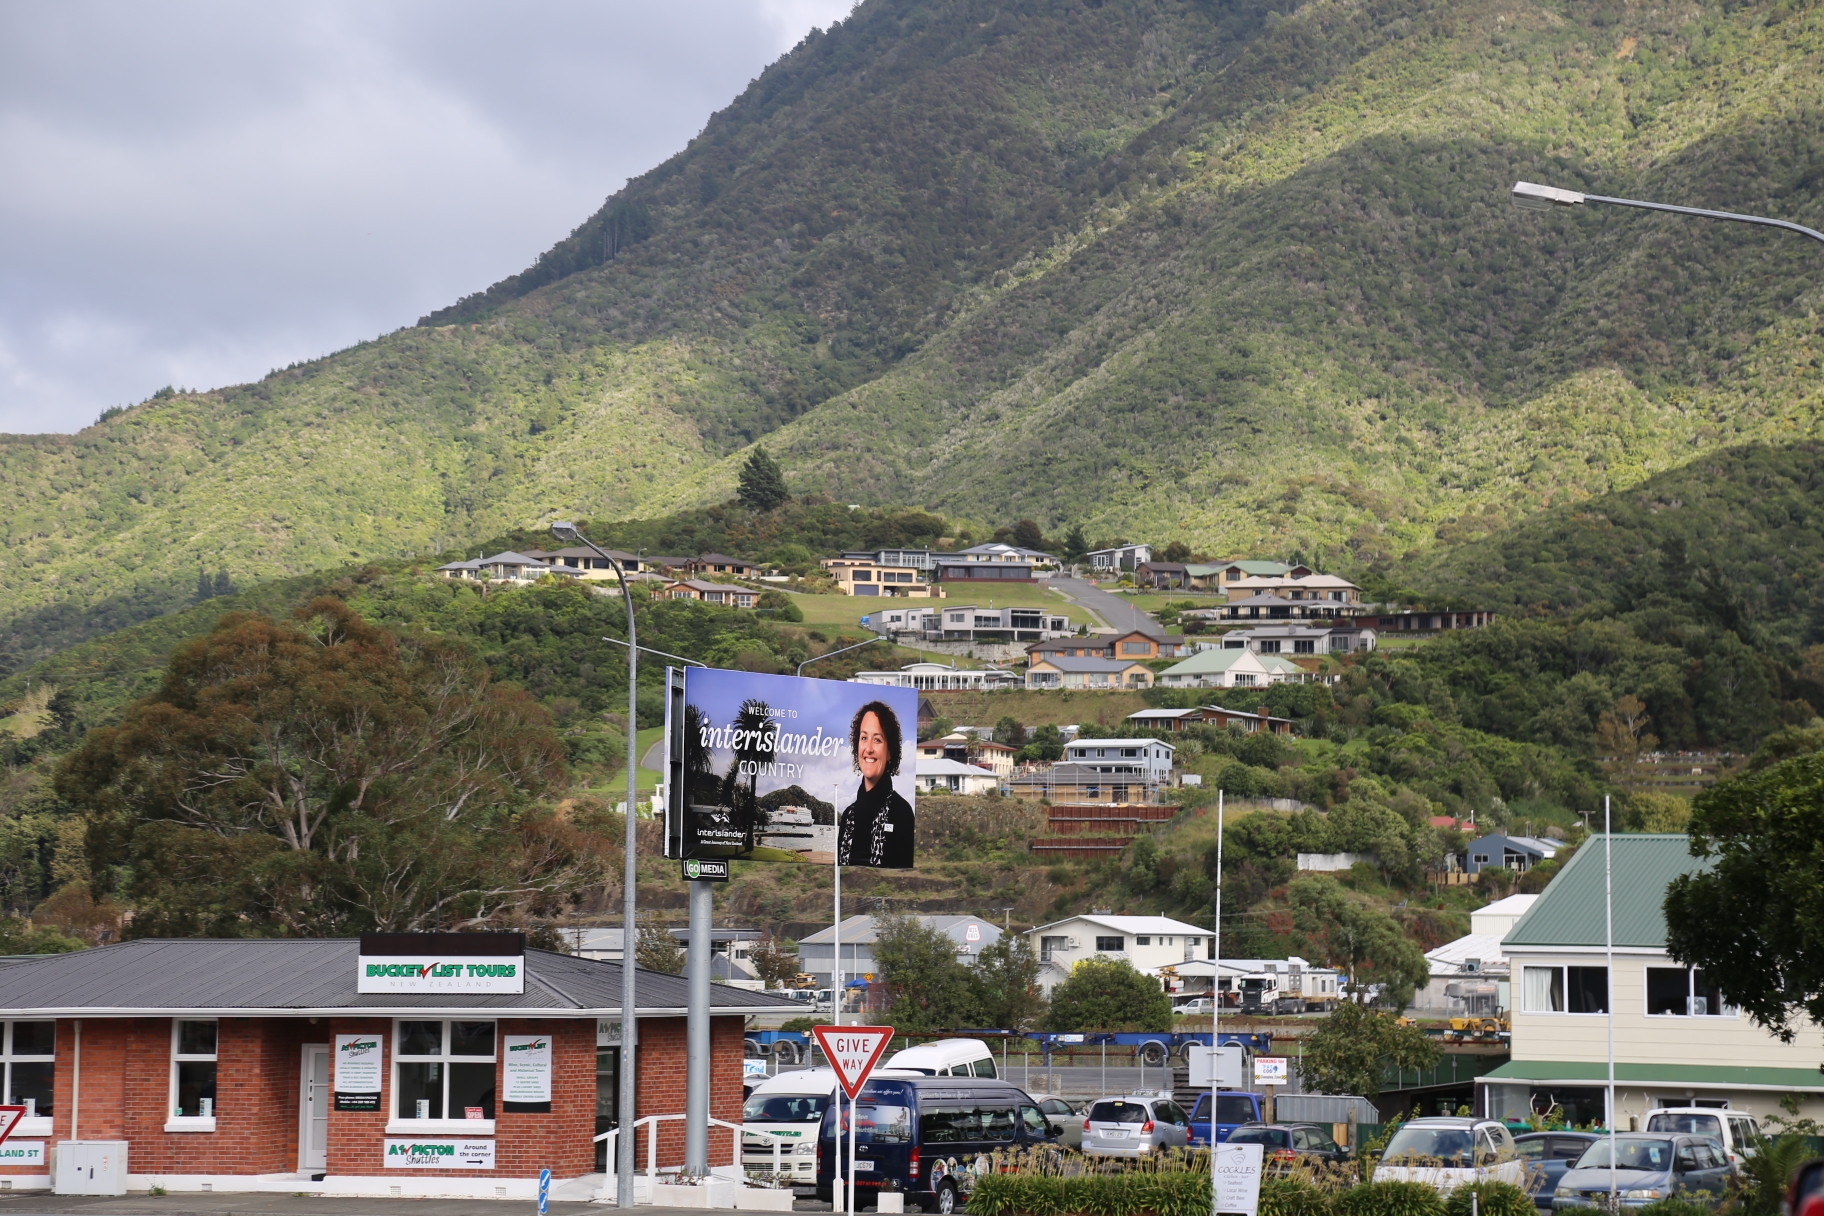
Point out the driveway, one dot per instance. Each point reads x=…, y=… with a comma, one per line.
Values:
x=1116, y=611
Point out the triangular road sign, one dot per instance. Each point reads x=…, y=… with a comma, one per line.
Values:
x=853, y=1051
x=9, y=1119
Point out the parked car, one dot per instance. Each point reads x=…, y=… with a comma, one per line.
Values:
x=1063, y=1117
x=1291, y=1142
x=1134, y=1126
x=1445, y=1153
x=1196, y=1005
x=1735, y=1131
x=1546, y=1156
x=925, y=1135
x=1648, y=1168
x=1233, y=1108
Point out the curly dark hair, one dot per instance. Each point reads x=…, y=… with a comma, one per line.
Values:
x=889, y=726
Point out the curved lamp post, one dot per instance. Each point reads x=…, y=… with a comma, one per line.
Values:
x=624, y=1166
x=1544, y=198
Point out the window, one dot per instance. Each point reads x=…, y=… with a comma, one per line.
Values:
x=1143, y=941
x=30, y=1064
x=1244, y=680
x=1479, y=858
x=445, y=1070
x=1136, y=648
x=1682, y=992
x=193, y=1070
x=1269, y=647
x=1565, y=989
x=1304, y=647
x=864, y=576
x=1111, y=943
x=1052, y=945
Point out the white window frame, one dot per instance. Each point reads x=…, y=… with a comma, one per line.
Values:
x=395, y=1125
x=1729, y=1012
x=1564, y=987
x=40, y=1124
x=175, y=1122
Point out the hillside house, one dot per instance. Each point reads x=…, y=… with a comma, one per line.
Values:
x=859, y=934
x=1268, y=607
x=1516, y=853
x=1150, y=760
x=952, y=569
x=722, y=563
x=861, y=574
x=1121, y=557
x=995, y=551
x=506, y=567
x=1215, y=576
x=711, y=593
x=1145, y=942
x=1677, y=1039
x=1134, y=645
x=967, y=623
x=940, y=677
x=1292, y=638
x=941, y=776
x=1061, y=672
x=1161, y=576
x=1225, y=669
x=1211, y=715
x=587, y=563
x=1420, y=620
x=1322, y=588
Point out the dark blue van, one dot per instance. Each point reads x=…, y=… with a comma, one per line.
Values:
x=924, y=1135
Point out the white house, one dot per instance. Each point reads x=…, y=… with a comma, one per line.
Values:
x=508, y=567
x=940, y=677
x=1237, y=668
x=1148, y=760
x=817, y=951
x=1146, y=942
x=955, y=777
x=1293, y=638
x=1677, y=1039
x=1123, y=557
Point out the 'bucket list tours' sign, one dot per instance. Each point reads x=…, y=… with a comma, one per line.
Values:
x=426, y=963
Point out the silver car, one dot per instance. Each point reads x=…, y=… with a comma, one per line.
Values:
x=1063, y=1116
x=1134, y=1126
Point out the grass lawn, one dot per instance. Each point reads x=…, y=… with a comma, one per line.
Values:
x=1037, y=707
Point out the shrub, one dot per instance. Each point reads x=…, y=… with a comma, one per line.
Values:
x=1492, y=1199
x=1675, y=1207
x=1168, y=1192
x=1390, y=1199
x=1294, y=1197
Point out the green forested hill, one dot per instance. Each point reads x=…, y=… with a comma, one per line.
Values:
x=1218, y=269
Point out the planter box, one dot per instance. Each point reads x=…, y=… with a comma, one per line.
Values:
x=712, y=1194
x=758, y=1199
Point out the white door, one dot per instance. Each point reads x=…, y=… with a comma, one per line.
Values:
x=313, y=1110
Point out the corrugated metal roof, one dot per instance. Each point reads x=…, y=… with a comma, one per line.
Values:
x=312, y=975
x=1570, y=912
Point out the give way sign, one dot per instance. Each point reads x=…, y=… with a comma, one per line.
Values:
x=853, y=1051
x=9, y=1119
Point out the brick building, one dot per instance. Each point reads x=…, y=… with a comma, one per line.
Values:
x=461, y=1068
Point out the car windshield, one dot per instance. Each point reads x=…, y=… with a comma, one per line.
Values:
x=1651, y=1155
x=784, y=1108
x=1692, y=1125
x=1272, y=1137
x=1118, y=1112
x=1448, y=1145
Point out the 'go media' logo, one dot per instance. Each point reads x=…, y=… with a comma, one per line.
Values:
x=442, y=971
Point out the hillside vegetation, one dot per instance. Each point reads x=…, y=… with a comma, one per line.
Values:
x=1198, y=268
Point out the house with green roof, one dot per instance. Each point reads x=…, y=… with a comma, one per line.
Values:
x=1678, y=1040
x=1214, y=576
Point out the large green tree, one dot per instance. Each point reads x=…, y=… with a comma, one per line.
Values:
x=1007, y=978
x=1350, y=1047
x=927, y=986
x=1108, y=994
x=1364, y=942
x=1753, y=920
x=762, y=483
x=323, y=775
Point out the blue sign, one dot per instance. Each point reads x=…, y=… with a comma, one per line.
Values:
x=544, y=1192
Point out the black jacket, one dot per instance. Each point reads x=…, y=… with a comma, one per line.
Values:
x=876, y=829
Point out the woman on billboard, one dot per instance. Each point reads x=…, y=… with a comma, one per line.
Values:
x=877, y=827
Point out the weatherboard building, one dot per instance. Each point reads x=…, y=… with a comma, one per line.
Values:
x=452, y=1065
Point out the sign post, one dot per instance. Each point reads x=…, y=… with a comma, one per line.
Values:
x=1270, y=1072
x=852, y=1052
x=544, y=1192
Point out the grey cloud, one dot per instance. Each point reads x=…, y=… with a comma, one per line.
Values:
x=194, y=193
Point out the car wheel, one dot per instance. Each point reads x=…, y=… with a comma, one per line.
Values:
x=947, y=1202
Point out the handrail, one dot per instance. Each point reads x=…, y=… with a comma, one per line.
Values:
x=612, y=1136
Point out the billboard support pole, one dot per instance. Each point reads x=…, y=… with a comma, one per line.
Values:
x=696, y=1032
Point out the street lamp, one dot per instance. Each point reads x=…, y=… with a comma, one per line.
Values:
x=624, y=1167
x=1544, y=198
x=830, y=654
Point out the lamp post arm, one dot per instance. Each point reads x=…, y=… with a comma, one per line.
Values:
x=830, y=654
x=1735, y=216
x=664, y=654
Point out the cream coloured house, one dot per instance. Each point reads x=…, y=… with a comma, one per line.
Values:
x=1678, y=1042
x=1146, y=942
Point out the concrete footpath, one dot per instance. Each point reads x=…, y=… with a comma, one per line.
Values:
x=191, y=1203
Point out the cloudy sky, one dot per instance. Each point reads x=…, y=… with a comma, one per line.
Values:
x=195, y=193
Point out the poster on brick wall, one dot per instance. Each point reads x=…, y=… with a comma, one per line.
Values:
x=359, y=1063
x=527, y=1071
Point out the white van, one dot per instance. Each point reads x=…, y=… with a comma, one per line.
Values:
x=1737, y=1131
x=786, y=1110
x=945, y=1058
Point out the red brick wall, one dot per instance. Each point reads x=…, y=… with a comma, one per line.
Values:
x=661, y=1068
x=126, y=1069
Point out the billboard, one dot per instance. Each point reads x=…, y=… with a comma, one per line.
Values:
x=782, y=768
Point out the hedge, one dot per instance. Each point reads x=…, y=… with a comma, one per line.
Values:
x=1390, y=1199
x=1159, y=1193
x=1492, y=1199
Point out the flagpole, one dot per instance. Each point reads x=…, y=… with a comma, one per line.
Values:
x=1216, y=1006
